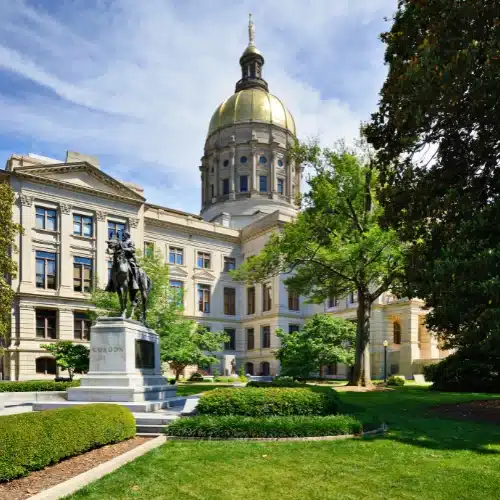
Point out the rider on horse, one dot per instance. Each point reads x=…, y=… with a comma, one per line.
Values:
x=128, y=247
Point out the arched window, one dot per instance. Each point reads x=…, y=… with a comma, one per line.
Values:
x=264, y=368
x=46, y=366
x=249, y=368
x=396, y=338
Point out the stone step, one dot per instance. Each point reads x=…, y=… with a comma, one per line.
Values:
x=148, y=434
x=154, y=419
x=150, y=429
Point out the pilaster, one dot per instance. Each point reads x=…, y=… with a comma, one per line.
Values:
x=101, y=266
x=254, y=179
x=65, y=266
x=65, y=324
x=409, y=342
x=27, y=264
x=217, y=187
x=27, y=323
x=274, y=159
x=232, y=154
x=288, y=180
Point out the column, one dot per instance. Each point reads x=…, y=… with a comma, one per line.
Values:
x=203, y=187
x=232, y=195
x=101, y=265
x=272, y=180
x=27, y=260
x=27, y=326
x=133, y=225
x=255, y=185
x=288, y=180
x=215, y=163
x=409, y=342
x=65, y=264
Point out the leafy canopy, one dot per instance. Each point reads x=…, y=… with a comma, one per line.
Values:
x=323, y=340
x=69, y=356
x=438, y=145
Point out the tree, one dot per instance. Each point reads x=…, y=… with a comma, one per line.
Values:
x=8, y=267
x=182, y=341
x=438, y=143
x=69, y=356
x=335, y=245
x=323, y=340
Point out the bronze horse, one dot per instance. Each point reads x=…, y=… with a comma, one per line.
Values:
x=122, y=281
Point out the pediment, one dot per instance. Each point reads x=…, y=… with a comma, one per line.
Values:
x=178, y=272
x=203, y=274
x=81, y=176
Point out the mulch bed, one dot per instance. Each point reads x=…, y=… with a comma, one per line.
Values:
x=479, y=411
x=22, y=488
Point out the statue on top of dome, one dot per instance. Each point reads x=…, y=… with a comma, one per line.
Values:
x=251, y=31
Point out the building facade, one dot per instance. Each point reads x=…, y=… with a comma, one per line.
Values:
x=69, y=208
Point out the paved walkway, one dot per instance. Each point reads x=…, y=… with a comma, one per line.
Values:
x=13, y=409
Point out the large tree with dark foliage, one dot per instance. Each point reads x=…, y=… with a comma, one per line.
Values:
x=437, y=138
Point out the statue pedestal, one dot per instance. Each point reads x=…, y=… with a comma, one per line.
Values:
x=125, y=367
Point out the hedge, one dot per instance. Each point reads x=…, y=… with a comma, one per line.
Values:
x=31, y=441
x=259, y=427
x=257, y=402
x=396, y=380
x=37, y=386
x=276, y=383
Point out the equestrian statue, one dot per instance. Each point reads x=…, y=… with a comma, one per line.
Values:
x=127, y=278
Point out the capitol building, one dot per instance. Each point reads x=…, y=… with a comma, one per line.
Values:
x=69, y=208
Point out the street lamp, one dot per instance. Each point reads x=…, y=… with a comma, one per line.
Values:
x=385, y=360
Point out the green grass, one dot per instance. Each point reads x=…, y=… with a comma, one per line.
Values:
x=422, y=456
x=188, y=388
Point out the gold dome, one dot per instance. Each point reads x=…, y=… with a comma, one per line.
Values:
x=252, y=105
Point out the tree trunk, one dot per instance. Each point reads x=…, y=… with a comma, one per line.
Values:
x=361, y=373
x=321, y=371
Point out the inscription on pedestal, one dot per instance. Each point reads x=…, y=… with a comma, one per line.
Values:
x=107, y=353
x=144, y=354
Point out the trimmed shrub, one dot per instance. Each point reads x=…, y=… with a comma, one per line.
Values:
x=277, y=382
x=268, y=427
x=37, y=386
x=261, y=402
x=474, y=369
x=227, y=380
x=31, y=441
x=396, y=380
x=196, y=377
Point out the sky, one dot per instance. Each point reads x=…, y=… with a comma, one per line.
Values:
x=135, y=83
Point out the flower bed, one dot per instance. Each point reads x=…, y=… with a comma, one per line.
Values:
x=31, y=441
x=260, y=402
x=227, y=427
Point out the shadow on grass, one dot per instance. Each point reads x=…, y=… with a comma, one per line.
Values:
x=407, y=413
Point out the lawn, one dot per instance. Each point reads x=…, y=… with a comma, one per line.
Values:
x=188, y=388
x=422, y=456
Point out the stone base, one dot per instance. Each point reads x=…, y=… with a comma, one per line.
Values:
x=116, y=393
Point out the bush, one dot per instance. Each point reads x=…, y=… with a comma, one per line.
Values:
x=31, y=441
x=396, y=380
x=277, y=382
x=226, y=380
x=37, y=386
x=196, y=377
x=258, y=427
x=261, y=402
x=467, y=370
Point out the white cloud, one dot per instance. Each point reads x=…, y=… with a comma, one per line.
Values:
x=137, y=82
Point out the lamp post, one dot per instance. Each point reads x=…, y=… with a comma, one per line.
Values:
x=385, y=360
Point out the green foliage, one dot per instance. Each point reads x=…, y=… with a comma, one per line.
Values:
x=277, y=382
x=69, y=356
x=322, y=340
x=255, y=402
x=440, y=95
x=182, y=341
x=228, y=427
x=31, y=441
x=8, y=268
x=241, y=371
x=196, y=377
x=224, y=379
x=467, y=370
x=37, y=386
x=396, y=380
x=335, y=246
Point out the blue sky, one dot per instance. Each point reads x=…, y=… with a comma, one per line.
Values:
x=136, y=82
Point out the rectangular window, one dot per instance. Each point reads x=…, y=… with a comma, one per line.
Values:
x=46, y=218
x=230, y=301
x=280, y=186
x=177, y=289
x=267, y=301
x=46, y=270
x=203, y=260
x=204, y=298
x=243, y=183
x=333, y=302
x=263, y=183
x=353, y=298
x=115, y=229
x=46, y=323
x=176, y=256
x=293, y=301
x=251, y=300
x=81, y=326
x=149, y=249
x=230, y=345
x=293, y=328
x=83, y=225
x=266, y=337
x=82, y=274
x=250, y=339
x=229, y=264
x=225, y=186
